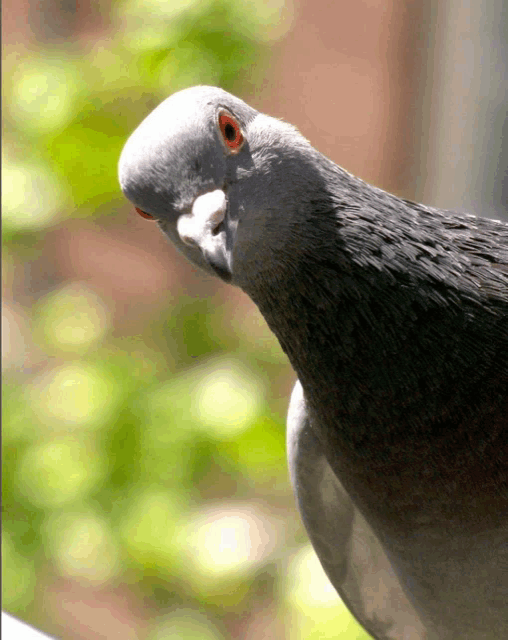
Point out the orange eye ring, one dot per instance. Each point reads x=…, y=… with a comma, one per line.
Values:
x=231, y=132
x=143, y=214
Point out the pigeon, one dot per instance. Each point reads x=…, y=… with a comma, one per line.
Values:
x=394, y=316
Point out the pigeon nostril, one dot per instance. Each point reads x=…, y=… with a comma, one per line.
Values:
x=216, y=230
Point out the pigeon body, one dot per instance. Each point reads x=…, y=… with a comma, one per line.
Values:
x=394, y=316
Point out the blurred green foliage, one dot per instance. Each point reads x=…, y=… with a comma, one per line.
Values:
x=70, y=108
x=128, y=463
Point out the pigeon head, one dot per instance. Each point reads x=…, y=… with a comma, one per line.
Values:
x=220, y=178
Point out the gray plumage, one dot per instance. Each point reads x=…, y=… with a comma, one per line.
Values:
x=394, y=316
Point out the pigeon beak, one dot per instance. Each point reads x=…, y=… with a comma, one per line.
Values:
x=203, y=228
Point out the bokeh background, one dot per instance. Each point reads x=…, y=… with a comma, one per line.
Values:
x=145, y=490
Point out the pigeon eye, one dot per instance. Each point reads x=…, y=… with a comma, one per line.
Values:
x=143, y=214
x=231, y=132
